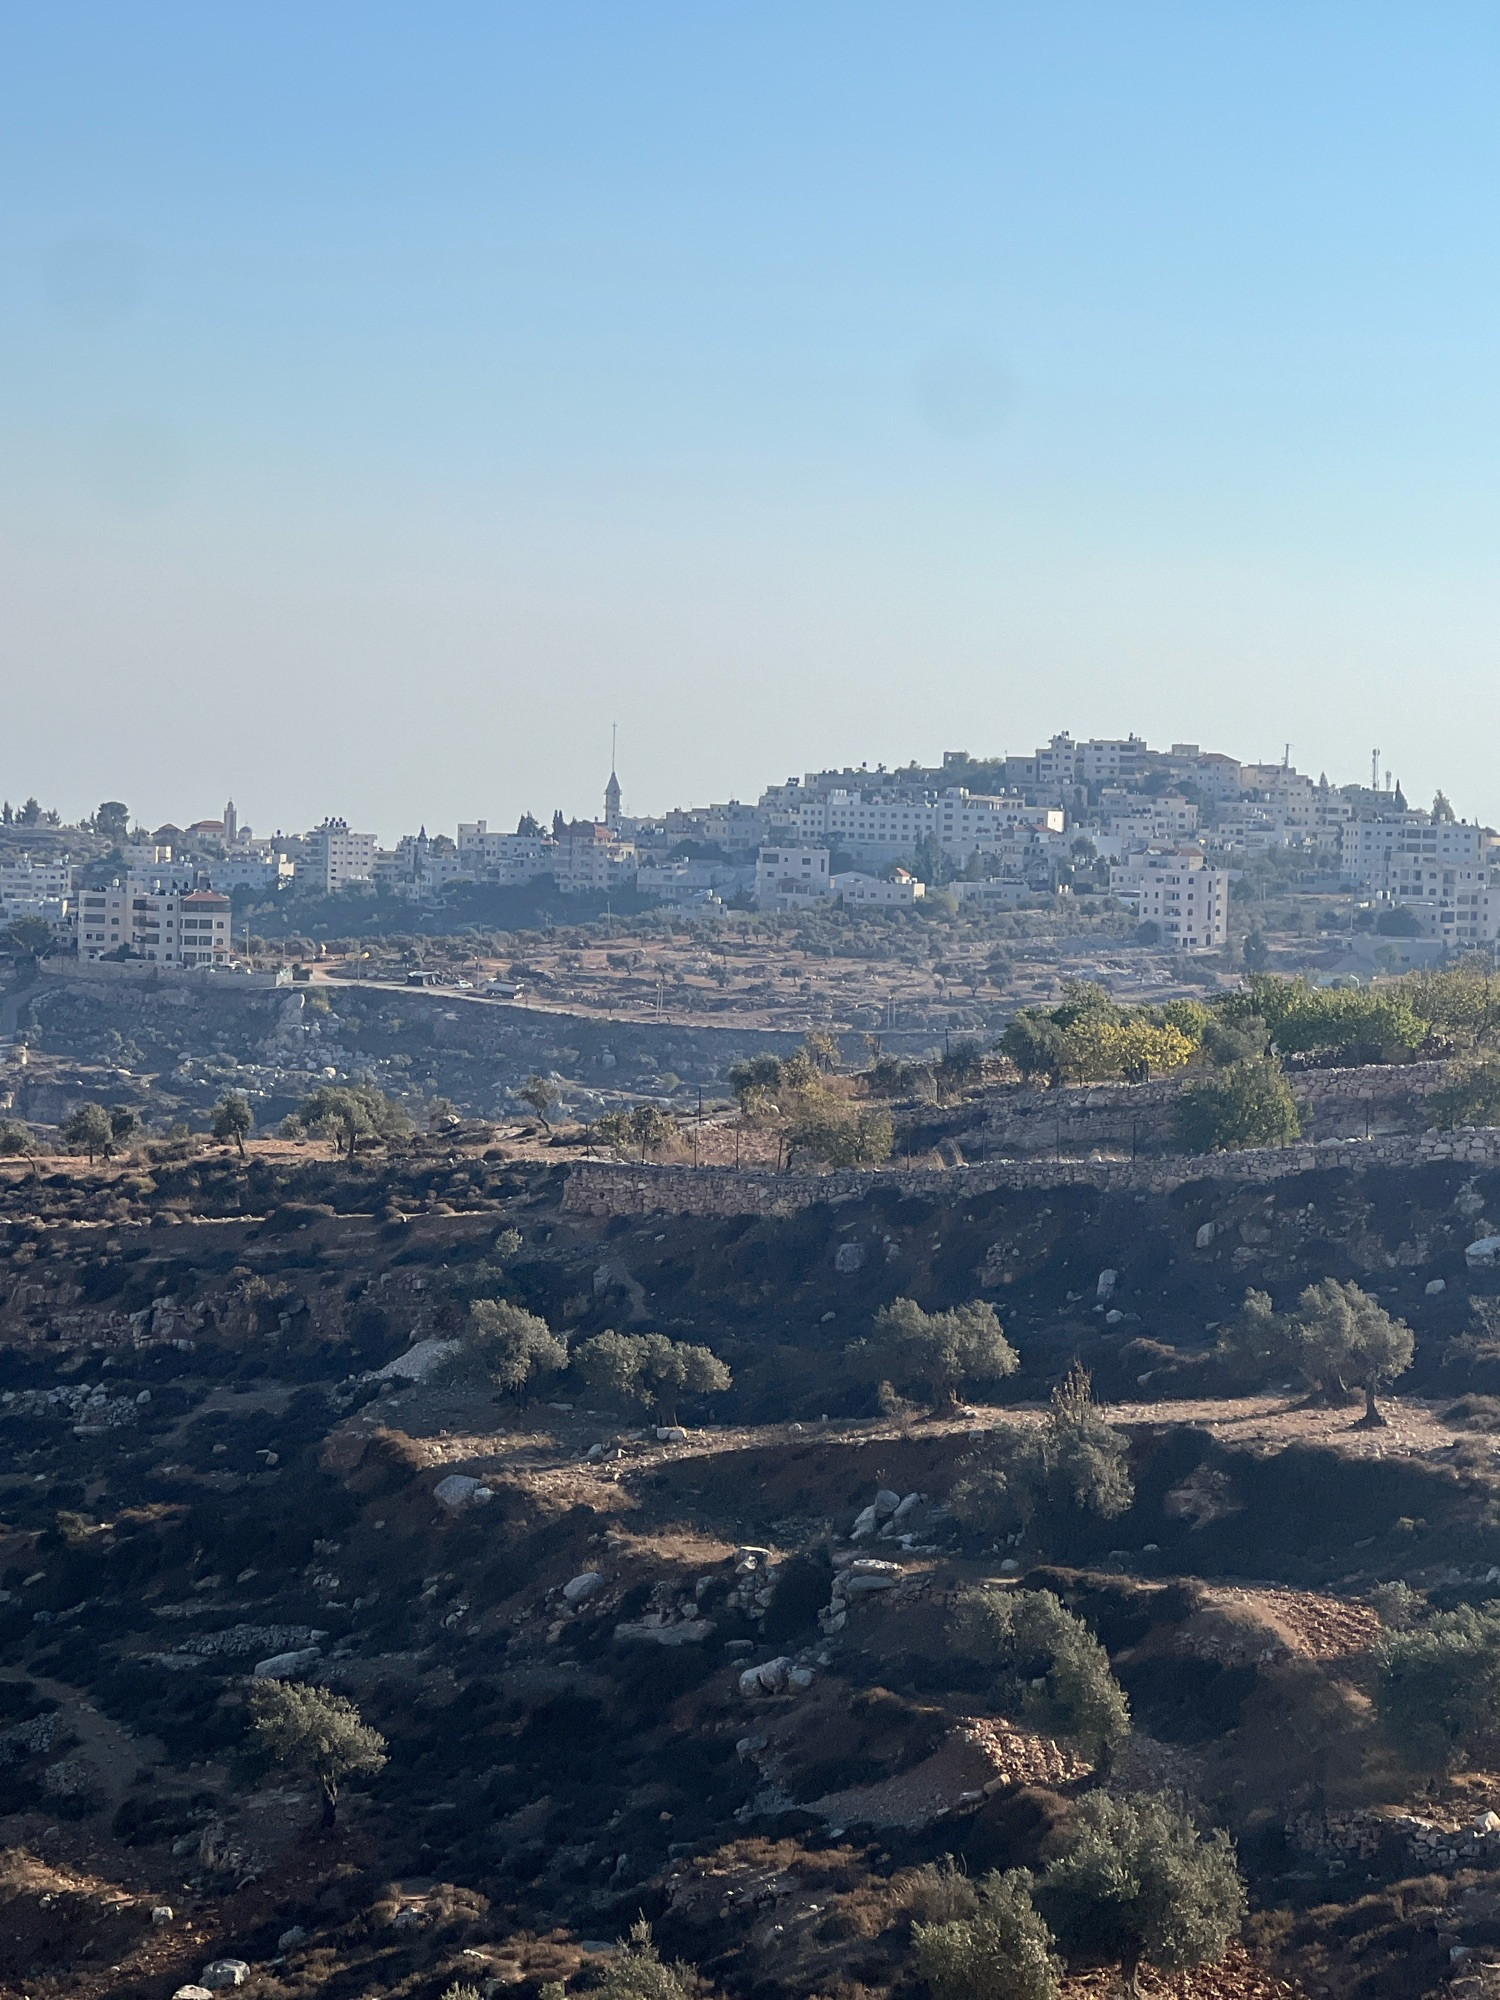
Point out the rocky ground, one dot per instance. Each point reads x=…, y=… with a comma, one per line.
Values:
x=629, y=1667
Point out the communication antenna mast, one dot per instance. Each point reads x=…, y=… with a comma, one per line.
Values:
x=1374, y=770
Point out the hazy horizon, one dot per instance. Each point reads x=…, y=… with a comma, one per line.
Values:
x=392, y=402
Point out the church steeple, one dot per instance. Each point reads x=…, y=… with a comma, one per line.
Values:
x=612, y=789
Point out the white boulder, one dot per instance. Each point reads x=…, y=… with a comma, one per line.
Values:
x=224, y=1972
x=281, y=1666
x=579, y=1589
x=456, y=1491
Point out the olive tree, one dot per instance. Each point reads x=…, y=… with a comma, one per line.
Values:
x=511, y=1345
x=1137, y=1881
x=1003, y=1951
x=1339, y=1337
x=88, y=1130
x=318, y=1734
x=1345, y=1338
x=1048, y=1664
x=1249, y=1104
x=1070, y=1464
x=649, y=1370
x=938, y=1350
x=1438, y=1688
x=233, y=1119
x=540, y=1093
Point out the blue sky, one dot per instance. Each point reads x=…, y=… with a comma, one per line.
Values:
x=391, y=397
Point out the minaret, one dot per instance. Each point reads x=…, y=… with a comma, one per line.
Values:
x=612, y=789
x=231, y=824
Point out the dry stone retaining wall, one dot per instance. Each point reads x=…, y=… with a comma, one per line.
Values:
x=1126, y=1117
x=601, y=1188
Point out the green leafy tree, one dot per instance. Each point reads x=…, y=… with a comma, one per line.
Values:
x=233, y=1119
x=513, y=1346
x=88, y=1130
x=349, y=1113
x=834, y=1132
x=960, y=1066
x=1342, y=1337
x=1050, y=1666
x=541, y=1094
x=1438, y=1688
x=16, y=1139
x=318, y=1734
x=122, y=1124
x=1470, y=1095
x=1250, y=1105
x=112, y=822
x=1255, y=952
x=29, y=937
x=1073, y=1463
x=1256, y=1341
x=1137, y=1881
x=1003, y=1951
x=649, y=1370
x=1034, y=1043
x=755, y=1073
x=937, y=1350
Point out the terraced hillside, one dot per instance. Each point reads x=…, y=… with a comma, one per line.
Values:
x=709, y=1673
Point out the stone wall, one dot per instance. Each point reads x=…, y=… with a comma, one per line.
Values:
x=1137, y=1117
x=604, y=1188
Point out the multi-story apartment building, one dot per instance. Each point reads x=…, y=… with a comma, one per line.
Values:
x=27, y=882
x=791, y=878
x=735, y=828
x=257, y=867
x=587, y=858
x=169, y=926
x=334, y=858
x=1412, y=847
x=876, y=827
x=1177, y=890
x=1149, y=820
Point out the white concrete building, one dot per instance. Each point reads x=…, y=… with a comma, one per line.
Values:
x=267, y=872
x=791, y=878
x=883, y=825
x=26, y=882
x=334, y=858
x=899, y=894
x=1175, y=888
x=1379, y=854
x=171, y=927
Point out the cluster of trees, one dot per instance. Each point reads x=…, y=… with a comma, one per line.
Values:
x=1051, y=1669
x=811, y=1108
x=517, y=1351
x=649, y=1127
x=347, y=1113
x=91, y=1128
x=1088, y=1038
x=932, y=1353
x=1336, y=1339
x=1026, y=1476
x=1134, y=1880
x=649, y=1370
